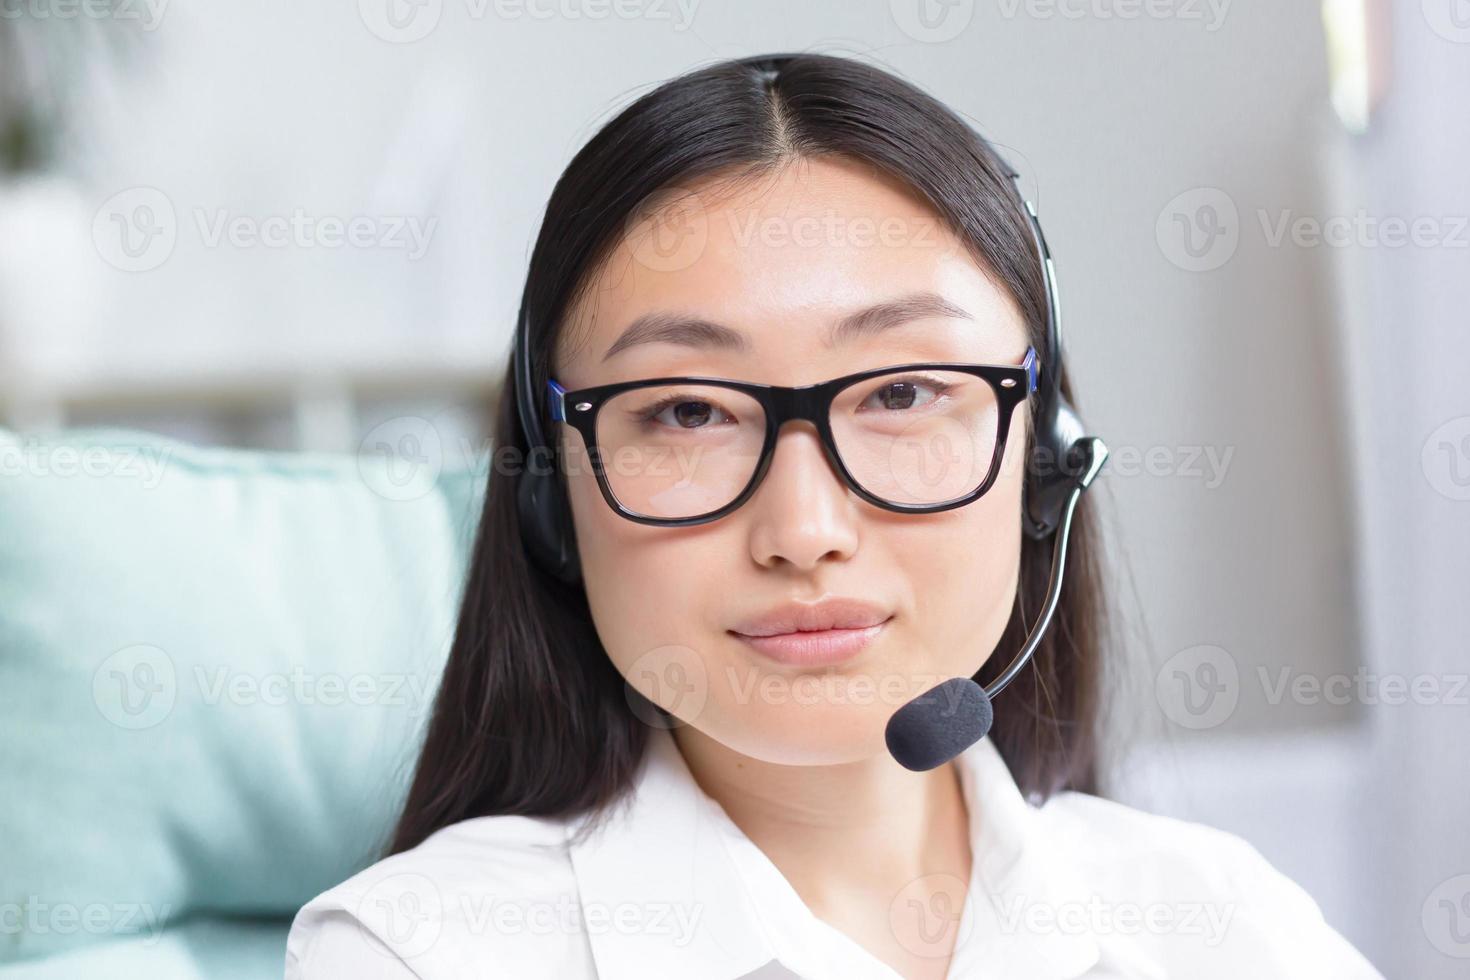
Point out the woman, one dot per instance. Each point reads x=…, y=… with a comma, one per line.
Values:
x=658, y=749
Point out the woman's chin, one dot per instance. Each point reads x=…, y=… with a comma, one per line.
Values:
x=800, y=735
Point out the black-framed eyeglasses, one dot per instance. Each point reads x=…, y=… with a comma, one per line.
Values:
x=914, y=438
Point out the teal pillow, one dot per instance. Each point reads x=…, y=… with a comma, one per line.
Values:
x=215, y=666
x=200, y=949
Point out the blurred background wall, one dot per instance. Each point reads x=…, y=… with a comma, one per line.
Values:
x=299, y=225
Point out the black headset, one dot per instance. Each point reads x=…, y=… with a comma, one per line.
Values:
x=1063, y=457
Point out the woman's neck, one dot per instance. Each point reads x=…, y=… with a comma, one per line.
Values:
x=865, y=829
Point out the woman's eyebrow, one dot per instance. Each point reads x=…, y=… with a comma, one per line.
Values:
x=689, y=331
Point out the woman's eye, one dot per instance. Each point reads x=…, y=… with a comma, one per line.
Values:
x=687, y=413
x=903, y=394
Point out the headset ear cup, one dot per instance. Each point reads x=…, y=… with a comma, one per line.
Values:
x=1053, y=469
x=545, y=522
x=571, y=561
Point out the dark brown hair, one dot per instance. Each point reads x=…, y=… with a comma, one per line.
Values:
x=531, y=717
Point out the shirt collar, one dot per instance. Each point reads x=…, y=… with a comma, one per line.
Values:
x=1020, y=887
x=671, y=888
x=658, y=855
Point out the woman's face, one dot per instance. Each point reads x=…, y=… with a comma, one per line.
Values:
x=780, y=261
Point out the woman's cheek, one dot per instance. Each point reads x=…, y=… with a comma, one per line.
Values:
x=650, y=601
x=965, y=593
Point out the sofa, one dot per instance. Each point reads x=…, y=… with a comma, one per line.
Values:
x=215, y=668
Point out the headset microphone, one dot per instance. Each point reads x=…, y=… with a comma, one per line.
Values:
x=942, y=722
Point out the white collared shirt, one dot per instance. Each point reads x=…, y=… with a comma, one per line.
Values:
x=671, y=889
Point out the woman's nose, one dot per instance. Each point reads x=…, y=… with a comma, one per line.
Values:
x=802, y=513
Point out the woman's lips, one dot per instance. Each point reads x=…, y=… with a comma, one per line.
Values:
x=814, y=648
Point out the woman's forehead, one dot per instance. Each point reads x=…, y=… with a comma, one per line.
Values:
x=783, y=260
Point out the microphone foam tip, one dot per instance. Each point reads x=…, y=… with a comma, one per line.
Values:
x=939, y=724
